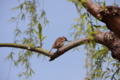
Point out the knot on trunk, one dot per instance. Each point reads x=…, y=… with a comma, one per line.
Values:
x=115, y=49
x=110, y=11
x=110, y=40
x=113, y=43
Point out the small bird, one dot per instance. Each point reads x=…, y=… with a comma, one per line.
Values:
x=58, y=43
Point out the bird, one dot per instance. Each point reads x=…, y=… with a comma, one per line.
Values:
x=59, y=42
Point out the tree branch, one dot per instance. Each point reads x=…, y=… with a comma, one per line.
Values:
x=61, y=51
x=69, y=46
x=92, y=8
x=110, y=15
x=27, y=47
x=108, y=39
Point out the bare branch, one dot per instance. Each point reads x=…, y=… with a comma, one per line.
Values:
x=69, y=46
x=39, y=50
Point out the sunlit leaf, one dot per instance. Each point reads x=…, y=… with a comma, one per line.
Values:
x=76, y=19
x=101, y=52
x=104, y=3
x=35, y=31
x=43, y=37
x=39, y=35
x=40, y=28
x=15, y=8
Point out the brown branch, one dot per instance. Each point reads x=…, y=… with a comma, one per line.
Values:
x=61, y=51
x=69, y=46
x=110, y=15
x=92, y=8
x=39, y=50
x=108, y=39
x=99, y=38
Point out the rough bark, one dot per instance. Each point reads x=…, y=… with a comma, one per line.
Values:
x=110, y=15
x=108, y=39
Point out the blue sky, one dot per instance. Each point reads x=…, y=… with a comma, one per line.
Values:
x=60, y=13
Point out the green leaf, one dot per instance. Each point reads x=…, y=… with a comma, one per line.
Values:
x=43, y=37
x=20, y=75
x=83, y=1
x=94, y=44
x=23, y=61
x=10, y=56
x=101, y=52
x=104, y=3
x=40, y=28
x=31, y=70
x=12, y=19
x=21, y=6
x=23, y=16
x=115, y=4
x=68, y=0
x=16, y=63
x=39, y=35
x=104, y=6
x=103, y=73
x=15, y=8
x=43, y=14
x=73, y=1
x=97, y=26
x=76, y=19
x=35, y=31
x=18, y=32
